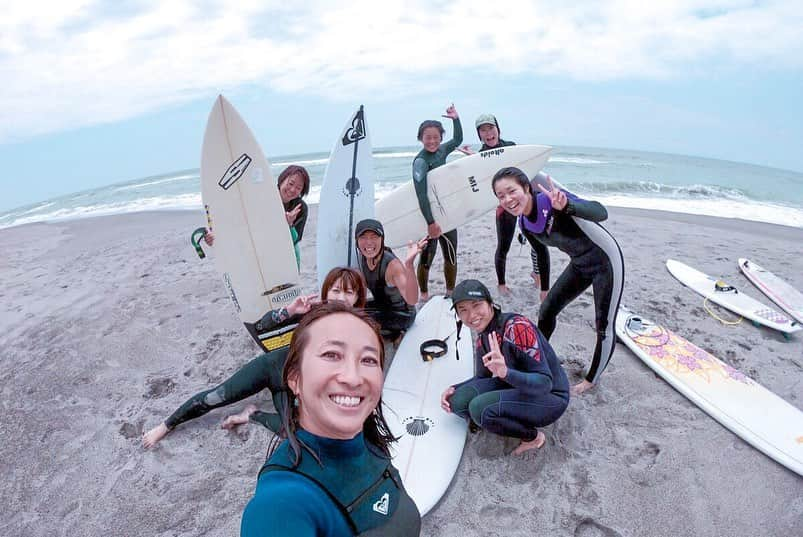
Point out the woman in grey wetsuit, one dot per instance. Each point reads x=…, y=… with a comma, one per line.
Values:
x=546, y=217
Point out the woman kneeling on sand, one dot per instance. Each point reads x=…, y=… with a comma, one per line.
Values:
x=341, y=284
x=332, y=475
x=519, y=384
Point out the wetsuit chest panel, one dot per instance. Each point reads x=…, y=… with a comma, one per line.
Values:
x=384, y=294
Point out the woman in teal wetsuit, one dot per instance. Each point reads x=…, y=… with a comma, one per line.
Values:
x=332, y=475
x=433, y=155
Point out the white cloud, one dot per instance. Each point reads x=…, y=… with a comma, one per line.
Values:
x=74, y=63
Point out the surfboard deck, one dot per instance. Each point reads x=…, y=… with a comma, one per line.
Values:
x=459, y=191
x=779, y=291
x=743, y=406
x=732, y=299
x=347, y=196
x=253, y=247
x=431, y=441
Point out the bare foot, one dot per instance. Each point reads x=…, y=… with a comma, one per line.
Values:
x=238, y=419
x=580, y=387
x=152, y=437
x=503, y=289
x=535, y=443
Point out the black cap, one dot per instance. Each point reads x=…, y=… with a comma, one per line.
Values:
x=369, y=224
x=470, y=290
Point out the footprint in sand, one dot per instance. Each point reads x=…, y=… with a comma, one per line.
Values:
x=159, y=387
x=589, y=527
x=641, y=464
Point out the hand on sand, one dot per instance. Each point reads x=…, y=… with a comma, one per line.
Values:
x=152, y=437
x=580, y=387
x=238, y=419
x=535, y=443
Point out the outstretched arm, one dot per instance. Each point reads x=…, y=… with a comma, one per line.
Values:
x=402, y=274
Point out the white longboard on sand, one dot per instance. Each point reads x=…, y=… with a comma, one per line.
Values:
x=347, y=196
x=749, y=410
x=779, y=291
x=253, y=247
x=458, y=192
x=431, y=443
x=731, y=298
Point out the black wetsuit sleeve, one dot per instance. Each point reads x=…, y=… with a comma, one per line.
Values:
x=457, y=137
x=587, y=210
x=542, y=255
x=420, y=169
x=301, y=221
x=275, y=318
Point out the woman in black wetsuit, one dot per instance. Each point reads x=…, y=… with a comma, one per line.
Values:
x=341, y=284
x=546, y=219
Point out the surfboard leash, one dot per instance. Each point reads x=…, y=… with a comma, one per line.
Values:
x=715, y=316
x=196, y=238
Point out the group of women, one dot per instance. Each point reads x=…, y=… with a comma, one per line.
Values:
x=329, y=469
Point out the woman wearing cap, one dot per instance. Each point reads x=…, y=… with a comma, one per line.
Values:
x=519, y=384
x=333, y=475
x=489, y=134
x=293, y=185
x=545, y=218
x=392, y=282
x=341, y=284
x=433, y=155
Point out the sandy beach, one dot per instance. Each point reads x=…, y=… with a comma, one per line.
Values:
x=109, y=323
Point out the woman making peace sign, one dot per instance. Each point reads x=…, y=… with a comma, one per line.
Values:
x=545, y=218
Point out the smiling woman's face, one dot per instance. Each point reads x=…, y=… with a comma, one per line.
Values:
x=340, y=378
x=512, y=196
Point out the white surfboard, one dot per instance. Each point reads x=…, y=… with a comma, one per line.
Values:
x=431, y=441
x=458, y=192
x=347, y=196
x=729, y=297
x=253, y=247
x=749, y=410
x=779, y=291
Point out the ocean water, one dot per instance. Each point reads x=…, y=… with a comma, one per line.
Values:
x=614, y=177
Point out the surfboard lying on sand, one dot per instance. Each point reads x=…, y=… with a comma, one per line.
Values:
x=347, y=196
x=749, y=410
x=458, y=192
x=779, y=291
x=729, y=297
x=432, y=441
x=253, y=248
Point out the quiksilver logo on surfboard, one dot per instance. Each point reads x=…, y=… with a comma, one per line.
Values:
x=235, y=171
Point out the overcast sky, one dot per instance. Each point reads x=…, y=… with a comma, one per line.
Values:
x=98, y=92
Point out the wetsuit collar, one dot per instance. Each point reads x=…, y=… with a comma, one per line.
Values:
x=330, y=447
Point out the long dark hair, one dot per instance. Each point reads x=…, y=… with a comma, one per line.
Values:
x=375, y=428
x=352, y=278
x=295, y=169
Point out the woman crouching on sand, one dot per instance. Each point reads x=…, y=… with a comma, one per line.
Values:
x=332, y=475
x=519, y=384
x=341, y=284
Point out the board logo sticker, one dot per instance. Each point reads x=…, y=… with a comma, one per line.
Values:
x=235, y=171
x=230, y=289
x=381, y=505
x=418, y=425
x=356, y=132
x=492, y=153
x=473, y=184
x=279, y=297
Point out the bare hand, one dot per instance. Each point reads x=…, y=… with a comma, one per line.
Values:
x=301, y=304
x=209, y=237
x=556, y=196
x=292, y=215
x=413, y=249
x=466, y=149
x=451, y=112
x=494, y=360
x=447, y=394
x=434, y=230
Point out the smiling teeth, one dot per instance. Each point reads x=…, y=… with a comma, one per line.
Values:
x=346, y=400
